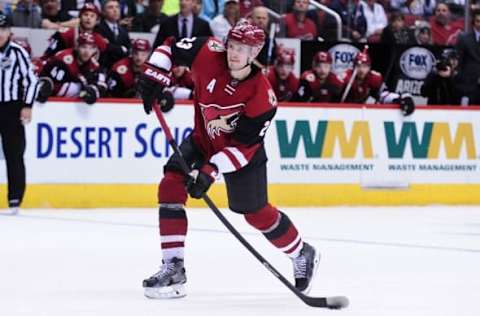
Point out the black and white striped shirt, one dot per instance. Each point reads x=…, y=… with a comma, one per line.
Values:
x=17, y=80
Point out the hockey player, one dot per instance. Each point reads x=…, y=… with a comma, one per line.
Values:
x=319, y=84
x=73, y=73
x=125, y=73
x=281, y=76
x=364, y=82
x=234, y=106
x=67, y=37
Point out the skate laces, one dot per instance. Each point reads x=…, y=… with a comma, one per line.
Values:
x=300, y=267
x=165, y=270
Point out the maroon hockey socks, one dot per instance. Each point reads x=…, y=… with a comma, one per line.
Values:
x=173, y=229
x=278, y=229
x=173, y=219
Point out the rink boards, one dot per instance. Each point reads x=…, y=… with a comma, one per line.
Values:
x=111, y=155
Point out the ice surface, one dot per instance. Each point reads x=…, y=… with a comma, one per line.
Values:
x=388, y=261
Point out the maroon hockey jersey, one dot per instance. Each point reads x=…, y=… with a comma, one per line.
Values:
x=284, y=89
x=362, y=89
x=312, y=89
x=122, y=78
x=66, y=72
x=231, y=116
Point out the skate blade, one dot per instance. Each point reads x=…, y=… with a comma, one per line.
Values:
x=9, y=212
x=315, y=269
x=166, y=292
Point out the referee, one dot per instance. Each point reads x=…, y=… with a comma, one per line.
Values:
x=18, y=86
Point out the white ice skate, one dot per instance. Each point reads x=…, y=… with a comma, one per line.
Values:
x=11, y=211
x=305, y=268
x=168, y=282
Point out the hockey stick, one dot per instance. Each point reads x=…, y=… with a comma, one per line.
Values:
x=349, y=85
x=332, y=302
x=271, y=39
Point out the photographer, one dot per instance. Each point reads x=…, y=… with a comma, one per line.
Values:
x=440, y=87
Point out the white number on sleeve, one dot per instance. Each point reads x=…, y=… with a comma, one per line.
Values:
x=57, y=74
x=264, y=129
x=186, y=43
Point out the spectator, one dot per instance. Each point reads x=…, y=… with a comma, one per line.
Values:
x=54, y=18
x=124, y=73
x=281, y=76
x=246, y=6
x=261, y=19
x=198, y=11
x=297, y=24
x=149, y=20
x=27, y=14
x=440, y=87
x=457, y=7
x=396, y=33
x=171, y=7
x=423, y=8
x=117, y=36
x=422, y=33
x=128, y=11
x=73, y=7
x=469, y=61
x=67, y=38
x=73, y=72
x=211, y=8
x=222, y=23
x=375, y=17
x=319, y=84
x=182, y=25
x=354, y=24
x=325, y=23
x=445, y=31
x=138, y=7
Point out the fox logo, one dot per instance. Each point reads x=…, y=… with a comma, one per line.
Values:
x=220, y=119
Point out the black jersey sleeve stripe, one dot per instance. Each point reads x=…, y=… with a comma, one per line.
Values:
x=249, y=130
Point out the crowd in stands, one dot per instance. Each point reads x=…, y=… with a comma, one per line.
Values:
x=94, y=36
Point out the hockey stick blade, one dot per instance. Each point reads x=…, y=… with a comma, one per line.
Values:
x=331, y=302
x=334, y=302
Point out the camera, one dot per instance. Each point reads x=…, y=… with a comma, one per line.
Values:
x=443, y=64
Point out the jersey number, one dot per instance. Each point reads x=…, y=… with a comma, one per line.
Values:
x=263, y=131
x=186, y=43
x=57, y=74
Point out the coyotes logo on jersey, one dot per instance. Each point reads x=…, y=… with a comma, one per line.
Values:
x=220, y=118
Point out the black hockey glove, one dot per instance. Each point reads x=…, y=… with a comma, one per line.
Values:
x=89, y=94
x=407, y=105
x=45, y=89
x=200, y=181
x=151, y=84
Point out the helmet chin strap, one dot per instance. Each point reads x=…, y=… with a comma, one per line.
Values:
x=249, y=63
